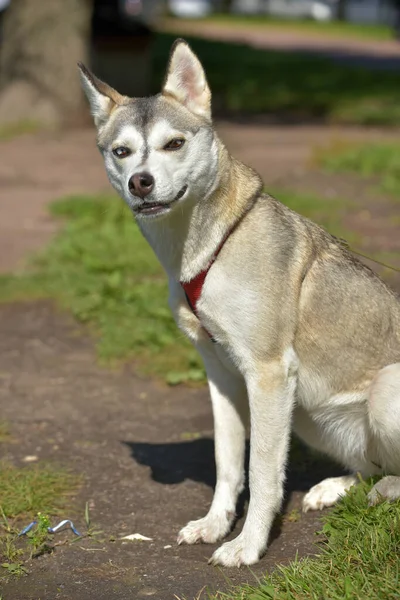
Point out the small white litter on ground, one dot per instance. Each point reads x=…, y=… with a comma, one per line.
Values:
x=137, y=536
x=30, y=458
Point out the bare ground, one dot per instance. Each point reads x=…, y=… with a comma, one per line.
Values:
x=145, y=451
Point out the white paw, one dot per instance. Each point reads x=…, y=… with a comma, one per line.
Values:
x=327, y=492
x=208, y=530
x=236, y=553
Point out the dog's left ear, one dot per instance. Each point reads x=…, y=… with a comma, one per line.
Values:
x=103, y=99
x=186, y=81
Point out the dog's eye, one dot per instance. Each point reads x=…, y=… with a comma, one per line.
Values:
x=174, y=144
x=121, y=152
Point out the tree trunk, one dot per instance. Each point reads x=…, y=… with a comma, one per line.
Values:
x=41, y=43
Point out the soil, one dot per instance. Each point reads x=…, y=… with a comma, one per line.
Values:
x=145, y=451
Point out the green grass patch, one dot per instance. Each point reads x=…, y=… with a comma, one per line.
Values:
x=248, y=80
x=375, y=160
x=334, y=29
x=17, y=128
x=4, y=432
x=26, y=493
x=100, y=267
x=359, y=558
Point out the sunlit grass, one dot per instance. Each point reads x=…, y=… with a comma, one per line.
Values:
x=380, y=161
x=25, y=491
x=359, y=558
x=331, y=28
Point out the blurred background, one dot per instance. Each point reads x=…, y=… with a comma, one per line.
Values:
x=126, y=43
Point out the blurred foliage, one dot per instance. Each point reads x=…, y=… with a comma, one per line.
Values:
x=380, y=161
x=333, y=28
x=247, y=80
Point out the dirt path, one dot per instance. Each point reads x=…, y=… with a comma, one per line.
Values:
x=34, y=170
x=145, y=451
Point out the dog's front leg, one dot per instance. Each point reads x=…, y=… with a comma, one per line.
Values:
x=230, y=409
x=271, y=396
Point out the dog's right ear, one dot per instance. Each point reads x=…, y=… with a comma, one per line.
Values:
x=103, y=99
x=186, y=81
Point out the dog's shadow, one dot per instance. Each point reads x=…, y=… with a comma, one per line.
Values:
x=177, y=461
x=173, y=463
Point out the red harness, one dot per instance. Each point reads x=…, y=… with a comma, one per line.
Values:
x=194, y=287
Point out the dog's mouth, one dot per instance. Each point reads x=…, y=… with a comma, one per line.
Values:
x=157, y=208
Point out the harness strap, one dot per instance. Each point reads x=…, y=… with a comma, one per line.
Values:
x=194, y=287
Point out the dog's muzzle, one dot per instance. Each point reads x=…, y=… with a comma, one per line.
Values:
x=156, y=208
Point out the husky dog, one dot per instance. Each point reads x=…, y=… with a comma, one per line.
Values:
x=294, y=332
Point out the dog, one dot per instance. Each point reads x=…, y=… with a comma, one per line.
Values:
x=295, y=333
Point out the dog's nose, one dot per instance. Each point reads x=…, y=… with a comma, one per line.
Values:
x=141, y=184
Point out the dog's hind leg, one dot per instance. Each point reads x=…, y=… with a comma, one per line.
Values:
x=387, y=488
x=327, y=492
x=230, y=408
x=384, y=418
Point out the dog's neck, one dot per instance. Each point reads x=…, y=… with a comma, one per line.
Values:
x=187, y=238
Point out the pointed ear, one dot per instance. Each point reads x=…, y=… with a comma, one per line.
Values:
x=186, y=81
x=102, y=98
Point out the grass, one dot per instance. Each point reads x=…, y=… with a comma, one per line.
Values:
x=377, y=160
x=17, y=128
x=4, y=432
x=330, y=28
x=359, y=558
x=100, y=267
x=247, y=80
x=26, y=493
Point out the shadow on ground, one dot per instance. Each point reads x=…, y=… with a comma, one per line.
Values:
x=176, y=462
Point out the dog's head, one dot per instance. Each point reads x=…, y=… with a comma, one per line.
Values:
x=159, y=151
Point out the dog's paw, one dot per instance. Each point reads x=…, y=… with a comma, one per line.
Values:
x=388, y=488
x=236, y=553
x=208, y=530
x=327, y=492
